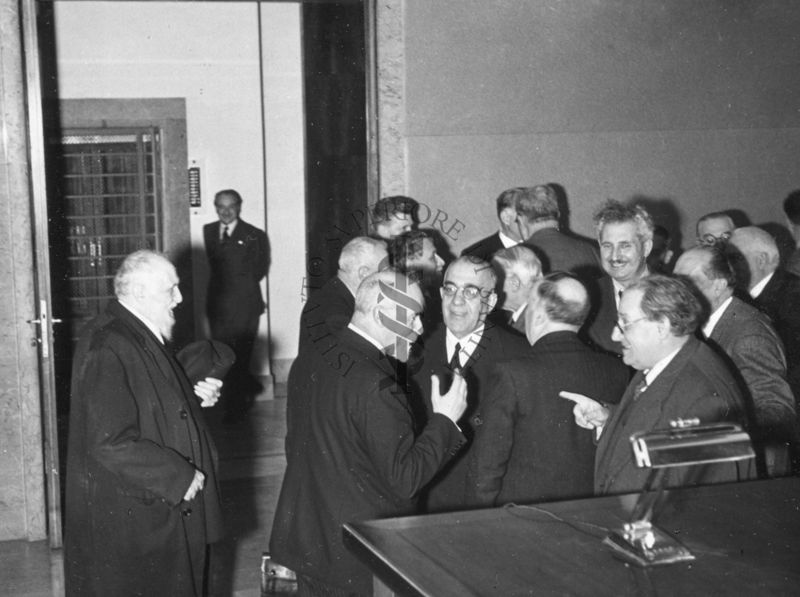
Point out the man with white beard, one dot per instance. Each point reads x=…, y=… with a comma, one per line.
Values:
x=142, y=502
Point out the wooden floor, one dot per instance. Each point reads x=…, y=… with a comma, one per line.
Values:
x=251, y=469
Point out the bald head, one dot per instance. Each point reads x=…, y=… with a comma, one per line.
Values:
x=758, y=249
x=359, y=258
x=388, y=308
x=560, y=302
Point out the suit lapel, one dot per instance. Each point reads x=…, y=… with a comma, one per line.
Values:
x=726, y=326
x=648, y=408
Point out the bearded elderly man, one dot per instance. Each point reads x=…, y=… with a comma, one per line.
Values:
x=353, y=450
x=142, y=501
x=678, y=377
x=625, y=235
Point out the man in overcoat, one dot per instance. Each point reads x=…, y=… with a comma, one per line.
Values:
x=142, y=500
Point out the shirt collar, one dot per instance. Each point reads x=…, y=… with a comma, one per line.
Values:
x=231, y=227
x=143, y=319
x=759, y=288
x=515, y=315
x=507, y=240
x=618, y=288
x=468, y=344
x=366, y=336
x=651, y=375
x=714, y=318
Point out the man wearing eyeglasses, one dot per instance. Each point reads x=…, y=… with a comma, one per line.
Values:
x=625, y=235
x=714, y=229
x=678, y=377
x=465, y=343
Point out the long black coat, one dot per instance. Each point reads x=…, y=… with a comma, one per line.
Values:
x=352, y=454
x=136, y=436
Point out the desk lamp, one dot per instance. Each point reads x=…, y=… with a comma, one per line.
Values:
x=685, y=443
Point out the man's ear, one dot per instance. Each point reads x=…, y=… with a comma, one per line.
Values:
x=647, y=246
x=137, y=290
x=664, y=328
x=492, y=300
x=508, y=215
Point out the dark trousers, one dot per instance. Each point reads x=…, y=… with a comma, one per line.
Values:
x=240, y=387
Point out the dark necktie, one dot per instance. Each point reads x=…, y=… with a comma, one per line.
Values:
x=638, y=390
x=225, y=236
x=455, y=362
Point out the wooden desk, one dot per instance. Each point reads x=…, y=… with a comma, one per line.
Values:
x=746, y=538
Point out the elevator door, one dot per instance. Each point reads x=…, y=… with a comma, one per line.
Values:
x=109, y=191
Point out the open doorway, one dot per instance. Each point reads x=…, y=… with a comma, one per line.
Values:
x=128, y=64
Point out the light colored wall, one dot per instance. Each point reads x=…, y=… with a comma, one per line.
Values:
x=285, y=162
x=22, y=489
x=690, y=104
x=208, y=53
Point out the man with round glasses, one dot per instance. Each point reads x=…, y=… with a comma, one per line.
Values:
x=714, y=229
x=465, y=343
x=678, y=377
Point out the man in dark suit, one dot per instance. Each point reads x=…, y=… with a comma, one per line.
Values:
x=330, y=308
x=238, y=257
x=791, y=207
x=353, y=450
x=678, y=377
x=519, y=269
x=509, y=233
x=468, y=344
x=527, y=449
x=774, y=291
x=142, y=501
x=539, y=216
x=746, y=337
x=625, y=235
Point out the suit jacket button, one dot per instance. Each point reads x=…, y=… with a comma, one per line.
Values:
x=184, y=414
x=186, y=512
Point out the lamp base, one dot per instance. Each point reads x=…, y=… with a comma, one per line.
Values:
x=643, y=544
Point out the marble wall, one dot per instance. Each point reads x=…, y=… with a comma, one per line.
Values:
x=22, y=512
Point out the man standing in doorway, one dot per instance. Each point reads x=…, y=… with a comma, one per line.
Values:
x=238, y=256
x=142, y=499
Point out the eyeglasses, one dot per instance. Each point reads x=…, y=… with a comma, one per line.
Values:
x=469, y=293
x=710, y=240
x=624, y=326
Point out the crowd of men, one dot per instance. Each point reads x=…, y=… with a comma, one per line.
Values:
x=519, y=372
